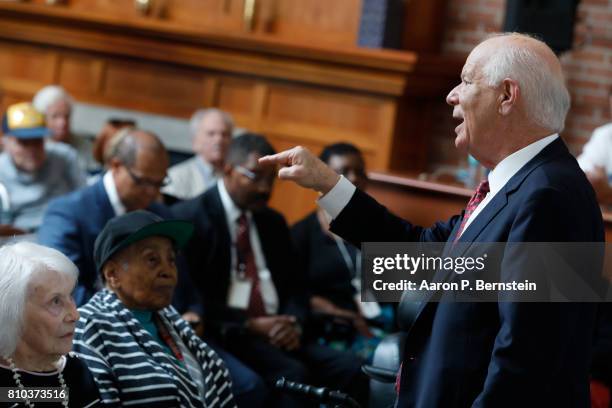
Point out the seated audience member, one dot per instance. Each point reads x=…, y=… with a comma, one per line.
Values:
x=32, y=171
x=333, y=269
x=100, y=149
x=38, y=318
x=211, y=132
x=137, y=169
x=72, y=222
x=596, y=160
x=141, y=352
x=241, y=259
x=55, y=103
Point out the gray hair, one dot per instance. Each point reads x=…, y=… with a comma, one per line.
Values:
x=124, y=146
x=546, y=97
x=48, y=95
x=19, y=264
x=196, y=118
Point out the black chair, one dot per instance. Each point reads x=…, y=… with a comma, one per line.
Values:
x=388, y=355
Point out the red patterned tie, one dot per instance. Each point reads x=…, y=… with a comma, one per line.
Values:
x=246, y=258
x=479, y=195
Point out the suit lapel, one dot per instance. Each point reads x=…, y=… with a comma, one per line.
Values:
x=105, y=209
x=488, y=214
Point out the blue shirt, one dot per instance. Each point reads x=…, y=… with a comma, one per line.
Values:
x=29, y=193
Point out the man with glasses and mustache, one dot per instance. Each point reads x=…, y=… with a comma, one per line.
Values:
x=243, y=263
x=72, y=222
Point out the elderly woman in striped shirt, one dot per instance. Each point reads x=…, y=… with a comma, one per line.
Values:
x=139, y=350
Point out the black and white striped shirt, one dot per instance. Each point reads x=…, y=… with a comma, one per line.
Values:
x=132, y=369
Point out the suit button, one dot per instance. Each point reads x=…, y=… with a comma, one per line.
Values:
x=411, y=358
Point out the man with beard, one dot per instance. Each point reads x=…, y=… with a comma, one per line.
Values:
x=243, y=263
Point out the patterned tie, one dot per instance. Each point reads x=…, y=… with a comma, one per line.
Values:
x=246, y=262
x=479, y=195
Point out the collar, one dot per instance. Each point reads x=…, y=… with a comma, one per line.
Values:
x=143, y=316
x=113, y=195
x=232, y=211
x=508, y=167
x=205, y=167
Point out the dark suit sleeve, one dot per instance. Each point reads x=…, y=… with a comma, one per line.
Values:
x=60, y=230
x=365, y=220
x=601, y=366
x=534, y=340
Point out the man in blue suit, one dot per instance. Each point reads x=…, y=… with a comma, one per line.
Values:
x=72, y=222
x=512, y=103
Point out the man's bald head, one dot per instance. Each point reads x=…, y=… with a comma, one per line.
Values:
x=139, y=163
x=132, y=142
x=536, y=69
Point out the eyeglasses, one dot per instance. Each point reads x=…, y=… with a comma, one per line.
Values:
x=254, y=177
x=147, y=182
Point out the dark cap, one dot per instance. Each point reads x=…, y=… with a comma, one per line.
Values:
x=122, y=231
x=22, y=121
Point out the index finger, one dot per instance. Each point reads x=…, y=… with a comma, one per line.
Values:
x=283, y=158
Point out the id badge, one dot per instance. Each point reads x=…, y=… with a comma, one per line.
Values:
x=239, y=293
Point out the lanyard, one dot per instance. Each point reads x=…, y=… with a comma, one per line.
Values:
x=354, y=269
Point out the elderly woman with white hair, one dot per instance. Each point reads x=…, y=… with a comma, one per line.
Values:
x=38, y=318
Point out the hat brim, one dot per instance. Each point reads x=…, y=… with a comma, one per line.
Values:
x=177, y=231
x=30, y=133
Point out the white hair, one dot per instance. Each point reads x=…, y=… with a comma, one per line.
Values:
x=19, y=263
x=48, y=95
x=196, y=118
x=546, y=97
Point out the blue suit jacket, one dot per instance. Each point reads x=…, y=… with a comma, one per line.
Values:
x=71, y=225
x=498, y=354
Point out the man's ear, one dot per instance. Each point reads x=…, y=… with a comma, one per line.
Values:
x=227, y=169
x=111, y=274
x=508, y=97
x=114, y=164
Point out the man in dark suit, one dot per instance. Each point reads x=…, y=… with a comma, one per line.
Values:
x=242, y=261
x=512, y=101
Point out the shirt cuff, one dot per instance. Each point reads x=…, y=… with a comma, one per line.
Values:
x=337, y=198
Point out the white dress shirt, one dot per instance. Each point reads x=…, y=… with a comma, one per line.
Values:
x=597, y=152
x=339, y=196
x=113, y=195
x=232, y=213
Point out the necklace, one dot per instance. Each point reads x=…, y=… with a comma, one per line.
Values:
x=17, y=378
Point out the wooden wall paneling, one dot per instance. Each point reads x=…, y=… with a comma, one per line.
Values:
x=294, y=94
x=157, y=88
x=424, y=25
x=236, y=95
x=211, y=91
x=333, y=23
x=29, y=64
x=209, y=14
x=422, y=203
x=81, y=74
x=410, y=142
